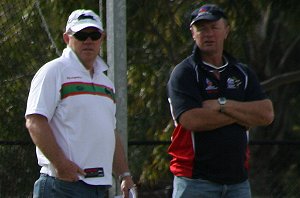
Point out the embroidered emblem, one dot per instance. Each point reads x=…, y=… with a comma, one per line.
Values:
x=210, y=86
x=73, y=77
x=233, y=83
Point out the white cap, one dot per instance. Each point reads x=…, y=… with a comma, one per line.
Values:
x=80, y=19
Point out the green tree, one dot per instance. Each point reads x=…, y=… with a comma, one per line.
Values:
x=264, y=34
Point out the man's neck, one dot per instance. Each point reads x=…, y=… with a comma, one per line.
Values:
x=216, y=60
x=91, y=70
x=89, y=66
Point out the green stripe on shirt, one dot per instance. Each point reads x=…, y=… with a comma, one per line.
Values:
x=79, y=88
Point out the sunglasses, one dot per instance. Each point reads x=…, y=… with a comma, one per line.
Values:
x=82, y=36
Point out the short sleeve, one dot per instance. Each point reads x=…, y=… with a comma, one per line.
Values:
x=44, y=92
x=183, y=90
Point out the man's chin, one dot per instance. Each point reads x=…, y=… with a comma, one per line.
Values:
x=208, y=50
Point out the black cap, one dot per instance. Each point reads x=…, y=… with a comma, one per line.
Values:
x=210, y=12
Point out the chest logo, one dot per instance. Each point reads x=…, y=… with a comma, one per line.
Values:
x=210, y=86
x=73, y=77
x=233, y=83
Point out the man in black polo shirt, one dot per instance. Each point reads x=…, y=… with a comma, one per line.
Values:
x=214, y=100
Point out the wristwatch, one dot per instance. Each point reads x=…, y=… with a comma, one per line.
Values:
x=222, y=102
x=123, y=175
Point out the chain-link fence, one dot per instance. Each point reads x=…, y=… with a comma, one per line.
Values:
x=19, y=170
x=25, y=45
x=24, y=31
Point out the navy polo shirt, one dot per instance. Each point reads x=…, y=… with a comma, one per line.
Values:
x=219, y=155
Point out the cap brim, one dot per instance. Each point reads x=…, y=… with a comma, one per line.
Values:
x=205, y=17
x=79, y=27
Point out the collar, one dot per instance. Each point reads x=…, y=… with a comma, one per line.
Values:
x=196, y=59
x=211, y=67
x=69, y=54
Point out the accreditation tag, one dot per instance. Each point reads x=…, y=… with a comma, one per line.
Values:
x=94, y=172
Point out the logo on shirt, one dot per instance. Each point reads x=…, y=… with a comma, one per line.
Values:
x=210, y=87
x=73, y=77
x=80, y=88
x=233, y=83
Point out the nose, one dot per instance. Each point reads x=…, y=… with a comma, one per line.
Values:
x=89, y=39
x=208, y=32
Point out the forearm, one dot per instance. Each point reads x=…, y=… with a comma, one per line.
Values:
x=120, y=162
x=204, y=119
x=120, y=167
x=254, y=113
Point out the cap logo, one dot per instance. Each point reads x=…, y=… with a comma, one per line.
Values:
x=209, y=12
x=83, y=16
x=202, y=10
x=80, y=19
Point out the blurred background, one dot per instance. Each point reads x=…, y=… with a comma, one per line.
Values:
x=264, y=34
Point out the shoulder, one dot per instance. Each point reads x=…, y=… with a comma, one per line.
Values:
x=237, y=64
x=242, y=67
x=184, y=75
x=53, y=65
x=185, y=67
x=245, y=68
x=50, y=71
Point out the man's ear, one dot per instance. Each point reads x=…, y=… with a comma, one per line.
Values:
x=192, y=31
x=66, y=38
x=227, y=31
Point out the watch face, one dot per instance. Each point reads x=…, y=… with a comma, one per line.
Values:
x=222, y=100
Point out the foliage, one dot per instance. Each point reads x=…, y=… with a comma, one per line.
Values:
x=264, y=34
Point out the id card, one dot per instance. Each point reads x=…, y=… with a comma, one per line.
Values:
x=94, y=172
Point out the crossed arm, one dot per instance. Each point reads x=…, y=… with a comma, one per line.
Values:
x=209, y=117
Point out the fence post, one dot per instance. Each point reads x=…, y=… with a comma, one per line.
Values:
x=117, y=61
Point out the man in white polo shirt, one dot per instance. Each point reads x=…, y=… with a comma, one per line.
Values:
x=70, y=116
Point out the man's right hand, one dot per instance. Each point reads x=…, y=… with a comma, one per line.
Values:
x=68, y=171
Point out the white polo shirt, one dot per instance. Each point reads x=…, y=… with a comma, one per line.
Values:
x=80, y=110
